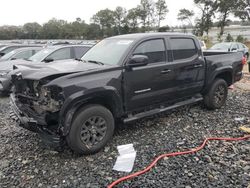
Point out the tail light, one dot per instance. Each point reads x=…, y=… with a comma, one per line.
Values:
x=244, y=61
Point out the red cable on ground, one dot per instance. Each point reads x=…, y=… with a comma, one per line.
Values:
x=171, y=155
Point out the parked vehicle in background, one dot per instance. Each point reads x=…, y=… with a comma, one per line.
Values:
x=21, y=53
x=203, y=45
x=8, y=48
x=47, y=55
x=124, y=78
x=60, y=52
x=232, y=47
x=2, y=45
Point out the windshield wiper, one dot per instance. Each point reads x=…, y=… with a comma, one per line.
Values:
x=96, y=62
x=78, y=59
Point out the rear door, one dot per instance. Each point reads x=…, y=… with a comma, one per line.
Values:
x=188, y=65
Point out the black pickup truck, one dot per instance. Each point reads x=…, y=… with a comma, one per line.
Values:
x=123, y=78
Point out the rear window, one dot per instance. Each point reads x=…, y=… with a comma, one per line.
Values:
x=183, y=48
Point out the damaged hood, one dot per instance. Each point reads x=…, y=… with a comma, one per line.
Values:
x=58, y=68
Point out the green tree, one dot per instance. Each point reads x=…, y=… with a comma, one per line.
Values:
x=32, y=30
x=120, y=18
x=241, y=39
x=242, y=11
x=11, y=32
x=105, y=19
x=53, y=29
x=94, y=31
x=208, y=9
x=225, y=8
x=164, y=29
x=161, y=11
x=229, y=38
x=79, y=29
x=185, y=15
x=145, y=13
x=132, y=19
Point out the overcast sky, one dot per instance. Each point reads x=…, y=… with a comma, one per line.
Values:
x=18, y=12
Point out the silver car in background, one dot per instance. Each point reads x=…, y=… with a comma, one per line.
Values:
x=232, y=47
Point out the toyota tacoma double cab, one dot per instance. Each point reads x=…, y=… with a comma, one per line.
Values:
x=122, y=78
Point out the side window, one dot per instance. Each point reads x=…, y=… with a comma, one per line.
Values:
x=9, y=49
x=23, y=55
x=183, y=48
x=234, y=46
x=154, y=49
x=35, y=51
x=60, y=54
x=80, y=51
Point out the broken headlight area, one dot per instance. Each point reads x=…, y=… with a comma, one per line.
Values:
x=49, y=98
x=38, y=96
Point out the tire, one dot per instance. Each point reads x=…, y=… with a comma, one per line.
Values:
x=217, y=95
x=91, y=129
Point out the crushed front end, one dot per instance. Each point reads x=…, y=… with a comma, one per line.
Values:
x=36, y=107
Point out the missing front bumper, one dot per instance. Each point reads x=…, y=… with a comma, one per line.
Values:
x=49, y=138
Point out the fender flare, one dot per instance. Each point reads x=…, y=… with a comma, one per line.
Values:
x=75, y=101
x=210, y=79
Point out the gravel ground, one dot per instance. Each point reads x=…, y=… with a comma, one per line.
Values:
x=26, y=162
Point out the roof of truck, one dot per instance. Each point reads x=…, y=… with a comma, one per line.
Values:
x=143, y=35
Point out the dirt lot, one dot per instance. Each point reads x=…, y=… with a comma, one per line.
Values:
x=26, y=162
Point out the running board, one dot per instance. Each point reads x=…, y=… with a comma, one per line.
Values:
x=159, y=110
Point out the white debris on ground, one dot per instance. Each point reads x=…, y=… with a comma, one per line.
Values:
x=125, y=160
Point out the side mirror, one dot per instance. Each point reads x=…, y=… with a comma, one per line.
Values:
x=2, y=54
x=48, y=60
x=138, y=60
x=234, y=50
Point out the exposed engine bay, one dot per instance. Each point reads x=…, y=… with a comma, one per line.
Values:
x=36, y=99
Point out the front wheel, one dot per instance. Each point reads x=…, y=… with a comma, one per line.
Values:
x=217, y=95
x=92, y=127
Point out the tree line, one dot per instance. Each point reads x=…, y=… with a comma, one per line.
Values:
x=147, y=16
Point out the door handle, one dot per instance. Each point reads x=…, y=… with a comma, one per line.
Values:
x=198, y=66
x=165, y=71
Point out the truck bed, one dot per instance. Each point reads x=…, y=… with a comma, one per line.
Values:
x=218, y=59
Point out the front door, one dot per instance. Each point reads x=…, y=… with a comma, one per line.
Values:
x=146, y=85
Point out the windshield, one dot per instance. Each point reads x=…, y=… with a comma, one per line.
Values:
x=108, y=51
x=8, y=55
x=41, y=55
x=221, y=46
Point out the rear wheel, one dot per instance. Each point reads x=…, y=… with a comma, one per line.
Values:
x=92, y=128
x=217, y=95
